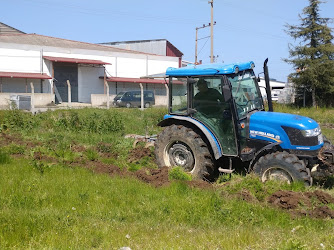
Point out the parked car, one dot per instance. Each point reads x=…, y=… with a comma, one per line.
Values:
x=133, y=99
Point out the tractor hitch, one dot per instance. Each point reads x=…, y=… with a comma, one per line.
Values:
x=150, y=140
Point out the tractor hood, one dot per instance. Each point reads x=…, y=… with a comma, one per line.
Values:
x=291, y=131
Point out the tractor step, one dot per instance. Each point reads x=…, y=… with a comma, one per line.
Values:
x=225, y=170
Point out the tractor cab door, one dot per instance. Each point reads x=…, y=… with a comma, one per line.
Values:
x=214, y=111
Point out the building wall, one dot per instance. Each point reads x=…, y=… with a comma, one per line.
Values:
x=39, y=99
x=29, y=59
x=159, y=91
x=17, y=60
x=151, y=47
x=88, y=83
x=20, y=85
x=276, y=88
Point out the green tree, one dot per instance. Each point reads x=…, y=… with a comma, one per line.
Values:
x=313, y=58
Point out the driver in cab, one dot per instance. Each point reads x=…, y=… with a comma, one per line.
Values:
x=207, y=100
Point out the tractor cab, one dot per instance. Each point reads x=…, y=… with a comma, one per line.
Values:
x=220, y=100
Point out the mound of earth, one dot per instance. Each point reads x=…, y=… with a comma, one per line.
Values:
x=156, y=177
x=137, y=153
x=313, y=204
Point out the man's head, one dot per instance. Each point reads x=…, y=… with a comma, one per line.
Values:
x=202, y=85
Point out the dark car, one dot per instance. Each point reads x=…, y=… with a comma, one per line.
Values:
x=133, y=99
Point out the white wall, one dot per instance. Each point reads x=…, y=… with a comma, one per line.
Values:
x=17, y=60
x=39, y=99
x=156, y=66
x=131, y=67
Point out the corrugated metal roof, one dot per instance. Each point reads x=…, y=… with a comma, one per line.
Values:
x=6, y=29
x=39, y=40
x=74, y=60
x=24, y=75
x=134, y=41
x=148, y=46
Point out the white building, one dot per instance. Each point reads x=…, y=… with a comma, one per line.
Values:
x=44, y=66
x=275, y=86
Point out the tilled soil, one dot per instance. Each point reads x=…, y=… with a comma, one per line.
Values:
x=137, y=153
x=312, y=204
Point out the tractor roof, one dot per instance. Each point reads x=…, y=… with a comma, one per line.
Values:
x=209, y=69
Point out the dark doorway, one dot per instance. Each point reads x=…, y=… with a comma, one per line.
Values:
x=62, y=73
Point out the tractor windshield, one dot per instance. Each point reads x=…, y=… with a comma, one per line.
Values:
x=245, y=92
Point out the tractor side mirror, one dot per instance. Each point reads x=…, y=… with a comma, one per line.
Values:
x=227, y=93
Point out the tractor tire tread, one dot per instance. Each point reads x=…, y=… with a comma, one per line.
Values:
x=289, y=163
x=204, y=164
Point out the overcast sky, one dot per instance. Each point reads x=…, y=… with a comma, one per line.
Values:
x=245, y=30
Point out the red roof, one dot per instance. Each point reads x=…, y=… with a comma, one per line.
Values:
x=24, y=75
x=136, y=80
x=74, y=60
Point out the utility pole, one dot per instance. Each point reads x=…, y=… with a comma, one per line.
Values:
x=197, y=28
x=204, y=26
x=211, y=56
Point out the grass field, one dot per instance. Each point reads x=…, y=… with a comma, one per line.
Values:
x=51, y=198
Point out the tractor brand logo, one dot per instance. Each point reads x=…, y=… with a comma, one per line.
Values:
x=254, y=133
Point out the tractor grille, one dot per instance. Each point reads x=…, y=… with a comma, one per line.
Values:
x=297, y=138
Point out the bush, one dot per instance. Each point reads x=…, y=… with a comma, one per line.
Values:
x=89, y=120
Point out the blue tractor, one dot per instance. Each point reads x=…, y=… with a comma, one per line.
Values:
x=217, y=121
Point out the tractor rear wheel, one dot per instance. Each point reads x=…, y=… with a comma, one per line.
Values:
x=178, y=145
x=284, y=167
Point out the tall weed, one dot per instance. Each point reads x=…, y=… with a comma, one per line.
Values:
x=4, y=157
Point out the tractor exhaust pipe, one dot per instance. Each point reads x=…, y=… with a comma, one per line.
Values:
x=268, y=89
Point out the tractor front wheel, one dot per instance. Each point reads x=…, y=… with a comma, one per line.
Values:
x=178, y=145
x=284, y=167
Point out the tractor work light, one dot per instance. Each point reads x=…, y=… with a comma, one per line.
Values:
x=236, y=70
x=311, y=132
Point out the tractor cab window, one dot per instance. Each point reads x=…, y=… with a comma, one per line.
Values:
x=245, y=92
x=179, y=93
x=208, y=98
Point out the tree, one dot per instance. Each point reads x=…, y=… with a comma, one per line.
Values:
x=313, y=58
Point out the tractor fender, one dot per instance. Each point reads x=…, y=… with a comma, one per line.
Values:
x=261, y=152
x=215, y=146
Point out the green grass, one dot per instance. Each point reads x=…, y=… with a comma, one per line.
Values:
x=74, y=208
x=49, y=203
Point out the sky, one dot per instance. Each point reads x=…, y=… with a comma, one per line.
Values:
x=244, y=31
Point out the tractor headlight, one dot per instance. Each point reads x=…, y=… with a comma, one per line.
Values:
x=311, y=132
